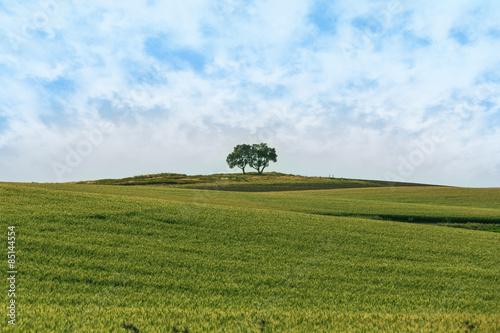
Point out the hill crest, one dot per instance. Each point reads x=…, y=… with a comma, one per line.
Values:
x=249, y=182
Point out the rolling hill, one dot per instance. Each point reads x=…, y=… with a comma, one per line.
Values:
x=165, y=257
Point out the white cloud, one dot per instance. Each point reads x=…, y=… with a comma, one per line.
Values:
x=269, y=74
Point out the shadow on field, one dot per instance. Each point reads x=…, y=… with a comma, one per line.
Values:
x=418, y=219
x=481, y=224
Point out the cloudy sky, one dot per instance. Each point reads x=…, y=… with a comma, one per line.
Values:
x=406, y=90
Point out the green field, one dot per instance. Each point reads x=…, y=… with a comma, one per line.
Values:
x=250, y=182
x=169, y=258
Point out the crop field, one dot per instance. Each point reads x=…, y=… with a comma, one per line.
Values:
x=149, y=258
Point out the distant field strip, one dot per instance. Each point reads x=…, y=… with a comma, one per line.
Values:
x=96, y=258
x=299, y=186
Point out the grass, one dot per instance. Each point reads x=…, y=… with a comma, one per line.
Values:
x=165, y=259
x=249, y=182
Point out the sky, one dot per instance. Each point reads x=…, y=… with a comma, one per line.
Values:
x=391, y=90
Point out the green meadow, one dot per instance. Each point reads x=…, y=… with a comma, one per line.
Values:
x=167, y=257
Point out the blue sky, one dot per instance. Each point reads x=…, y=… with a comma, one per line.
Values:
x=391, y=90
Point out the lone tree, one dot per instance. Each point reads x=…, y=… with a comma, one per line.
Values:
x=260, y=156
x=256, y=156
x=240, y=157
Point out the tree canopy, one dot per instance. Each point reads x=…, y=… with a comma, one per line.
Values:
x=257, y=156
x=239, y=157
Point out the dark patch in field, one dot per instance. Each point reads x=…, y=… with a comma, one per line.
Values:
x=469, y=326
x=97, y=216
x=130, y=327
x=483, y=224
x=436, y=219
x=491, y=227
x=262, y=324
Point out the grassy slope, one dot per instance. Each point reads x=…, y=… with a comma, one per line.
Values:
x=471, y=208
x=95, y=257
x=250, y=182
